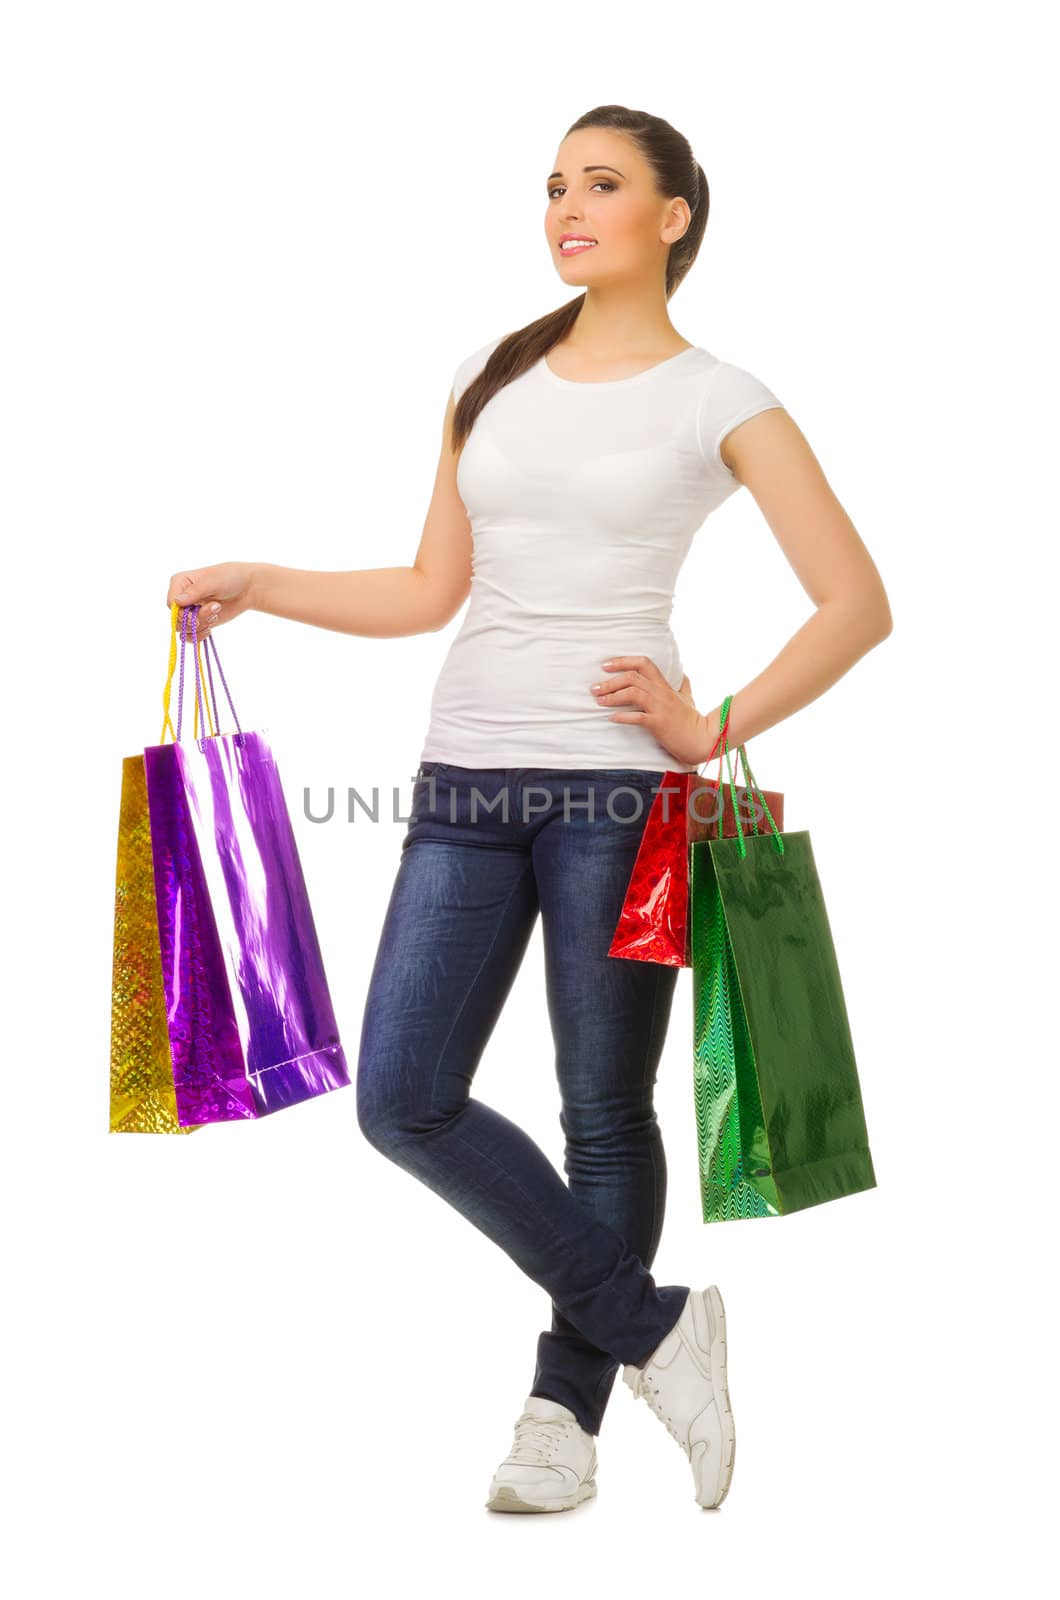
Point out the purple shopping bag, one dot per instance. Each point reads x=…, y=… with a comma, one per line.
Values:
x=250, y=1021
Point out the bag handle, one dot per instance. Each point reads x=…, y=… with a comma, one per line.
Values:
x=167, y=721
x=752, y=787
x=201, y=696
x=717, y=742
x=198, y=675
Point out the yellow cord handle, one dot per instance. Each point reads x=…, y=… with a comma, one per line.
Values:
x=167, y=721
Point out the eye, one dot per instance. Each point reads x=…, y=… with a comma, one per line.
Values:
x=605, y=181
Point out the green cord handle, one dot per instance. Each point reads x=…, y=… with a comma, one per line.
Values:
x=741, y=754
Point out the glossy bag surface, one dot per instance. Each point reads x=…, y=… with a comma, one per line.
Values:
x=249, y=1019
x=654, y=923
x=142, y=1096
x=780, y=1123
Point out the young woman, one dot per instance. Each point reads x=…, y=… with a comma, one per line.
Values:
x=580, y=455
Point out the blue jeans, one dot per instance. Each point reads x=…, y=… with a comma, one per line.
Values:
x=469, y=886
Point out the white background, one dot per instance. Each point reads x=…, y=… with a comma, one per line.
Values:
x=245, y=246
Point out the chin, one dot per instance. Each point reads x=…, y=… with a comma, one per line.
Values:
x=576, y=271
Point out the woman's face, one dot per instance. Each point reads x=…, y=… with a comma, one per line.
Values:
x=615, y=203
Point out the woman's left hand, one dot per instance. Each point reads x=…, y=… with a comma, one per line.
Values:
x=636, y=683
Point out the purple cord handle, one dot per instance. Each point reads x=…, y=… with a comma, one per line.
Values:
x=210, y=645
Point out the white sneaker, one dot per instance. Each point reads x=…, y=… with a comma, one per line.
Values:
x=551, y=1464
x=684, y=1382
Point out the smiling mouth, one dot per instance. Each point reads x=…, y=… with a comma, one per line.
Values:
x=572, y=247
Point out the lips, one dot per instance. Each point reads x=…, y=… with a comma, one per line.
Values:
x=574, y=243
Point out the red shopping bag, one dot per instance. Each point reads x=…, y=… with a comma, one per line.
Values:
x=654, y=923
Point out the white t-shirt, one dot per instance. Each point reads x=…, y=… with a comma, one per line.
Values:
x=583, y=500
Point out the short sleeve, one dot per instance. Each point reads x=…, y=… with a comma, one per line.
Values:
x=732, y=395
x=472, y=365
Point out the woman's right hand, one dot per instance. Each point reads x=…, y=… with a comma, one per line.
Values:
x=226, y=588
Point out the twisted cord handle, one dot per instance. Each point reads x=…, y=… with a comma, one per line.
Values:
x=741, y=755
x=205, y=690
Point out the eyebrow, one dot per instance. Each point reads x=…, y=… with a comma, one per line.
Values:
x=586, y=169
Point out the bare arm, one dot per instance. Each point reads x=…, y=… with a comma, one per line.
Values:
x=770, y=454
x=377, y=602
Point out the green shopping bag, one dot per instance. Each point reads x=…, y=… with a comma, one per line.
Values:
x=779, y=1117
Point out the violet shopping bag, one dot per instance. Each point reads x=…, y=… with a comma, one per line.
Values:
x=780, y=1123
x=248, y=1013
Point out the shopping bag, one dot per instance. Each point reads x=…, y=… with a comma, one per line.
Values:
x=780, y=1123
x=142, y=1097
x=248, y=1020
x=653, y=924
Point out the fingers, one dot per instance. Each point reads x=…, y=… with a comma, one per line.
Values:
x=640, y=673
x=206, y=619
x=635, y=687
x=627, y=689
x=201, y=620
x=186, y=588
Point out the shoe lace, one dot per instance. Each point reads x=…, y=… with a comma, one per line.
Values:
x=644, y=1385
x=536, y=1437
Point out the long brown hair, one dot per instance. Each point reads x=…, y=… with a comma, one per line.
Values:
x=677, y=172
